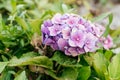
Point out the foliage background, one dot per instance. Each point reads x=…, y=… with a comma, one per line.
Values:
x=21, y=56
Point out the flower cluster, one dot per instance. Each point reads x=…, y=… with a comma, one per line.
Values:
x=73, y=34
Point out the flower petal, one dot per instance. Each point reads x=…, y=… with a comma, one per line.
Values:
x=62, y=43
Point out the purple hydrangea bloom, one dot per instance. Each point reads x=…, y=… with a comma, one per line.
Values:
x=106, y=42
x=66, y=32
x=62, y=44
x=77, y=38
x=73, y=34
x=90, y=42
x=72, y=21
x=48, y=23
x=57, y=19
x=55, y=30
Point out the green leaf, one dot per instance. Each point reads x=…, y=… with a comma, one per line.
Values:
x=52, y=74
x=13, y=4
x=100, y=65
x=21, y=76
x=64, y=7
x=48, y=14
x=89, y=59
x=1, y=23
x=69, y=74
x=42, y=61
x=108, y=26
x=108, y=54
x=4, y=58
x=64, y=60
x=84, y=73
x=36, y=25
x=100, y=17
x=116, y=32
x=114, y=68
x=2, y=46
x=22, y=22
x=65, y=74
x=25, y=26
x=7, y=74
x=2, y=66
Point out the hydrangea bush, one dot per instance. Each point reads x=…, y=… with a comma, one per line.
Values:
x=74, y=35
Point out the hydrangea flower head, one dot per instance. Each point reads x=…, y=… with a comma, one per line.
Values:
x=73, y=34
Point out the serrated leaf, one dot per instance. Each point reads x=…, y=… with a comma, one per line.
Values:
x=52, y=74
x=21, y=76
x=84, y=73
x=69, y=74
x=114, y=68
x=100, y=65
x=42, y=61
x=88, y=59
x=108, y=54
x=2, y=66
x=64, y=60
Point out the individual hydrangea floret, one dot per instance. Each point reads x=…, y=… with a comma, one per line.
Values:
x=73, y=34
